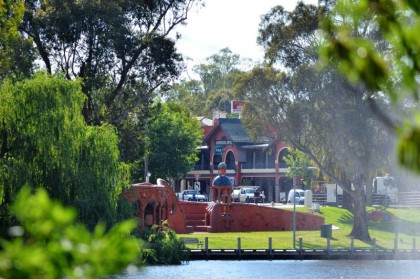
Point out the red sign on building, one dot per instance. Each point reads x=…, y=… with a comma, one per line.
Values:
x=236, y=106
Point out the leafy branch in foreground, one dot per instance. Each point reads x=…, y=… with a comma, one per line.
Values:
x=49, y=245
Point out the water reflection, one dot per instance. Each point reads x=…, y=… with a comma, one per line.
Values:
x=282, y=269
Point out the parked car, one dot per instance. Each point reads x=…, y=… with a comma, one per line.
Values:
x=192, y=195
x=236, y=194
x=251, y=195
x=297, y=196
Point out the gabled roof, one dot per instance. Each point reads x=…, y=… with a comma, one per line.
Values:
x=206, y=125
x=233, y=129
x=207, y=130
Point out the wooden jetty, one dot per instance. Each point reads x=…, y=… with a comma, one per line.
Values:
x=352, y=253
x=304, y=254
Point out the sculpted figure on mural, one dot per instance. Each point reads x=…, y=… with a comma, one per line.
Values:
x=221, y=179
x=222, y=187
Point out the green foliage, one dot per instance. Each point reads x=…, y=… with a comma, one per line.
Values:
x=393, y=69
x=49, y=244
x=173, y=138
x=46, y=143
x=16, y=54
x=299, y=165
x=121, y=50
x=408, y=149
x=219, y=72
x=162, y=246
x=316, y=112
x=190, y=94
x=265, y=91
x=357, y=57
x=213, y=89
x=290, y=37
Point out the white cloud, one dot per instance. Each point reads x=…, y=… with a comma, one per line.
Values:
x=226, y=23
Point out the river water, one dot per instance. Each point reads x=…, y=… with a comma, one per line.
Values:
x=313, y=269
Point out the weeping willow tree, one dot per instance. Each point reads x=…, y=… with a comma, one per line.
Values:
x=44, y=142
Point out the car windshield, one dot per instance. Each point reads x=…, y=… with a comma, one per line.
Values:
x=299, y=194
x=250, y=190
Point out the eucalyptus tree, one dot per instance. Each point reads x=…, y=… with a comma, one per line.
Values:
x=189, y=93
x=290, y=38
x=317, y=112
x=121, y=50
x=213, y=87
x=46, y=143
x=218, y=71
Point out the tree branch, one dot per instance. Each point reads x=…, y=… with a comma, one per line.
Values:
x=145, y=43
x=42, y=52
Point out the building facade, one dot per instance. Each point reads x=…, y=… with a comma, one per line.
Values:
x=259, y=163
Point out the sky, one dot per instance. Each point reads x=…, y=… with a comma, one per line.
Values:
x=226, y=23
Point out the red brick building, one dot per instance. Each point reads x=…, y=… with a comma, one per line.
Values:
x=258, y=163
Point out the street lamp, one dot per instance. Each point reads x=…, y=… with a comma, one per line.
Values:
x=294, y=206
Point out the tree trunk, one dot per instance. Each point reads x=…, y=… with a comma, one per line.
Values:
x=360, y=224
x=347, y=201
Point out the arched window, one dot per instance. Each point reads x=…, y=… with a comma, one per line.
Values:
x=230, y=160
x=282, y=162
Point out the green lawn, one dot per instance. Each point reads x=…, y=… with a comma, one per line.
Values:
x=406, y=229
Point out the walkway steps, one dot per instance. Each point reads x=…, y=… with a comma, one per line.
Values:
x=202, y=228
x=196, y=222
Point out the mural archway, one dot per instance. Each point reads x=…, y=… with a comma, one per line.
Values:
x=150, y=216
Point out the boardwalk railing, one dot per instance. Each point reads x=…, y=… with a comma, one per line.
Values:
x=411, y=199
x=373, y=253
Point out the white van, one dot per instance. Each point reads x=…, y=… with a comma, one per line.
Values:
x=236, y=192
x=297, y=196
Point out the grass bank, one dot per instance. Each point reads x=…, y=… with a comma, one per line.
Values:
x=405, y=229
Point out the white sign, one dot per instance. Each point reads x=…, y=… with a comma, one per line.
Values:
x=197, y=186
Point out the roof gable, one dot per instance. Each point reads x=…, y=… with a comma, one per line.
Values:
x=233, y=129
